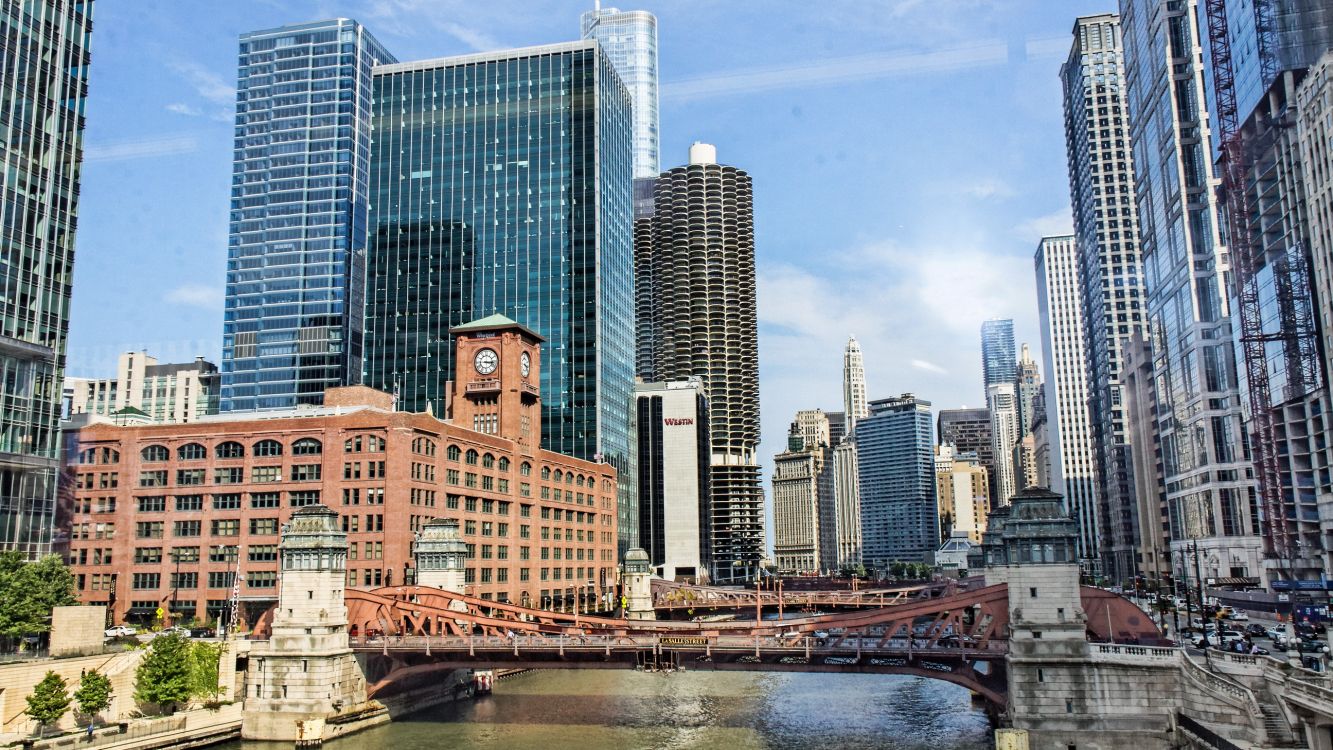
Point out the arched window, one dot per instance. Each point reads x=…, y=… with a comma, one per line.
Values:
x=230, y=449
x=454, y=452
x=374, y=444
x=88, y=456
x=110, y=456
x=579, y=480
x=504, y=464
x=488, y=461
x=525, y=469
x=559, y=475
x=546, y=472
x=268, y=448
x=155, y=453
x=192, y=452
x=569, y=478
x=472, y=457
x=307, y=447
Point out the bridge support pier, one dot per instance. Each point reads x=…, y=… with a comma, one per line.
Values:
x=1060, y=688
x=306, y=674
x=638, y=585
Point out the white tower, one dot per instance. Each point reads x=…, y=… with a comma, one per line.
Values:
x=854, y=401
x=306, y=673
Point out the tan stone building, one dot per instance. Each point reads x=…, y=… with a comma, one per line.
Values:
x=181, y=392
x=962, y=491
x=172, y=515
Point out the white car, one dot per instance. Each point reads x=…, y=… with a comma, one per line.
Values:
x=1238, y=617
x=120, y=631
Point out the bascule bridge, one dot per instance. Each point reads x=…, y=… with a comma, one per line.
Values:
x=1076, y=667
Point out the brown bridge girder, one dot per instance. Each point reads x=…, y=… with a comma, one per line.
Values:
x=669, y=595
x=387, y=661
x=418, y=629
x=981, y=615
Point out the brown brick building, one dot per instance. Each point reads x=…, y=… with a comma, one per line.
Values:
x=174, y=513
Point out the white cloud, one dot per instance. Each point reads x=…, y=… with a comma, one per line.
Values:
x=181, y=108
x=196, y=295
x=206, y=83
x=140, y=148
x=845, y=69
x=1054, y=223
x=412, y=17
x=921, y=364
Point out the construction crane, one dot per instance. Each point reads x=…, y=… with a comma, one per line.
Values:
x=1246, y=262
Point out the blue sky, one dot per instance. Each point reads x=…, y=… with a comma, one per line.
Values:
x=906, y=154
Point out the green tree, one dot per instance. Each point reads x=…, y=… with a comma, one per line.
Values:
x=49, y=701
x=204, y=660
x=163, y=677
x=94, y=693
x=28, y=592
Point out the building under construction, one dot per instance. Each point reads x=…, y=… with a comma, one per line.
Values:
x=1261, y=51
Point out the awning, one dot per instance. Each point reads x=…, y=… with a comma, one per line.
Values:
x=1235, y=581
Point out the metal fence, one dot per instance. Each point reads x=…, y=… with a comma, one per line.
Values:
x=1204, y=734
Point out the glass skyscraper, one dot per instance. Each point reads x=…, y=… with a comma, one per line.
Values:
x=896, y=473
x=999, y=358
x=501, y=183
x=45, y=80
x=296, y=252
x=629, y=38
x=1209, y=482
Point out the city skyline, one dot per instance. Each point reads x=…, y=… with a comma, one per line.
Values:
x=178, y=133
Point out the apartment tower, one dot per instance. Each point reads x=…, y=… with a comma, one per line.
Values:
x=1101, y=182
x=699, y=263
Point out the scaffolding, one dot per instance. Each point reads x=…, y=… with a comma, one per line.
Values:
x=1247, y=261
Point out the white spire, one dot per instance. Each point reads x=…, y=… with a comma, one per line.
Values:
x=853, y=384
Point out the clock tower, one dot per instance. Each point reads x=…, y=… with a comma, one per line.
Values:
x=497, y=370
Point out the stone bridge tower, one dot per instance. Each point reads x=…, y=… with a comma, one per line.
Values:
x=306, y=673
x=1060, y=691
x=638, y=586
x=440, y=554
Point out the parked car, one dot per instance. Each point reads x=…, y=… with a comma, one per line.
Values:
x=202, y=633
x=120, y=631
x=1311, y=647
x=173, y=630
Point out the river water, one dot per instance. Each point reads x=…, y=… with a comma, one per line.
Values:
x=592, y=709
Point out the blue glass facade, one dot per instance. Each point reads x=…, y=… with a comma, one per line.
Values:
x=501, y=183
x=999, y=358
x=296, y=252
x=44, y=74
x=896, y=471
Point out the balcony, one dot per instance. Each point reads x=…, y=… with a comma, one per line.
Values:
x=490, y=385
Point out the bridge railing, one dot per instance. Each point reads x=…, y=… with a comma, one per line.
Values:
x=1112, y=651
x=519, y=642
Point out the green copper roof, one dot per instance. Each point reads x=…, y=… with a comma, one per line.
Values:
x=495, y=322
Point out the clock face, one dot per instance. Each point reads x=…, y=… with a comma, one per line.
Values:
x=486, y=361
x=525, y=363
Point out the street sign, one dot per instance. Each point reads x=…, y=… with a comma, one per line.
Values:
x=160, y=613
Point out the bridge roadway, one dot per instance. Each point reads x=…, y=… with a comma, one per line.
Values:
x=391, y=659
x=671, y=596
